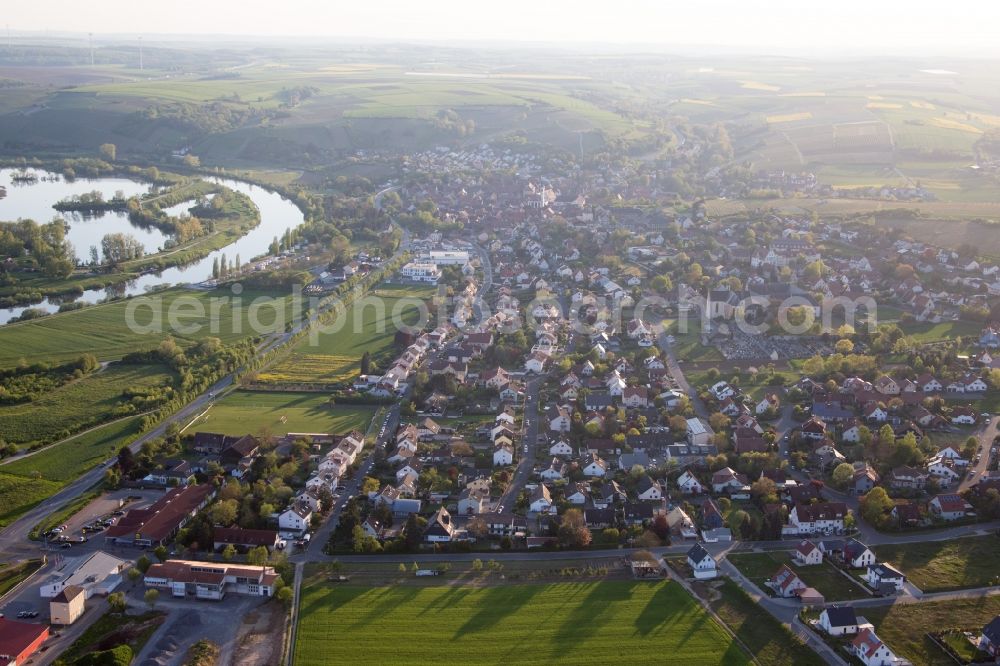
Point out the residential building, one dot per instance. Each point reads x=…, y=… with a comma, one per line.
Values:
x=838, y=620
x=701, y=562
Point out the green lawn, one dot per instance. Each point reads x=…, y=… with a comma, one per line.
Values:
x=369, y=324
x=936, y=566
x=904, y=627
x=687, y=346
x=760, y=567
x=103, y=330
x=243, y=412
x=78, y=404
x=571, y=623
x=772, y=643
x=928, y=332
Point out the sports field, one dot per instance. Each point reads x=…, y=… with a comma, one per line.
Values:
x=369, y=324
x=570, y=623
x=281, y=412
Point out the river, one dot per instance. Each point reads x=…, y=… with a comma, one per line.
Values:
x=35, y=201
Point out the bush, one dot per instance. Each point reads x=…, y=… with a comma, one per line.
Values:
x=117, y=656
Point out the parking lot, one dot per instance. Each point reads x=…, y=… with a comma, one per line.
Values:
x=102, y=508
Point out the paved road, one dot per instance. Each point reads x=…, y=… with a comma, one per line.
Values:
x=674, y=368
x=529, y=444
x=985, y=432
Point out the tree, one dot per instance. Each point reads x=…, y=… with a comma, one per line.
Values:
x=119, y=247
x=223, y=512
x=108, y=151
x=875, y=507
x=366, y=363
x=116, y=600
x=370, y=485
x=151, y=597
x=477, y=564
x=842, y=475
x=133, y=575
x=143, y=563
x=844, y=346
x=764, y=491
x=573, y=531
x=229, y=552
x=161, y=553
x=258, y=556
x=285, y=595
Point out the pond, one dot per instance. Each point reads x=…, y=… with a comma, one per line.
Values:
x=35, y=201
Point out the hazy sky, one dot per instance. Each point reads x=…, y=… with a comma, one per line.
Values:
x=962, y=27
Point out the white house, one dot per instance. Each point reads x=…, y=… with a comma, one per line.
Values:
x=943, y=469
x=594, y=466
x=879, y=574
x=950, y=506
x=838, y=620
x=806, y=553
x=689, y=484
x=701, y=562
x=722, y=390
x=857, y=554
x=541, y=500
x=503, y=455
x=786, y=583
x=649, y=490
x=559, y=419
x=871, y=650
x=561, y=448
x=555, y=471
x=698, y=432
x=824, y=517
x=295, y=519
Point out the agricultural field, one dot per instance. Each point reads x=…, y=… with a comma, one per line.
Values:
x=70, y=458
x=576, y=623
x=24, y=482
x=829, y=582
x=369, y=324
x=938, y=566
x=18, y=494
x=904, y=627
x=317, y=107
x=76, y=405
x=103, y=330
x=281, y=412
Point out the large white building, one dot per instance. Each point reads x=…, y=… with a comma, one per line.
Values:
x=445, y=257
x=99, y=573
x=211, y=580
x=420, y=271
